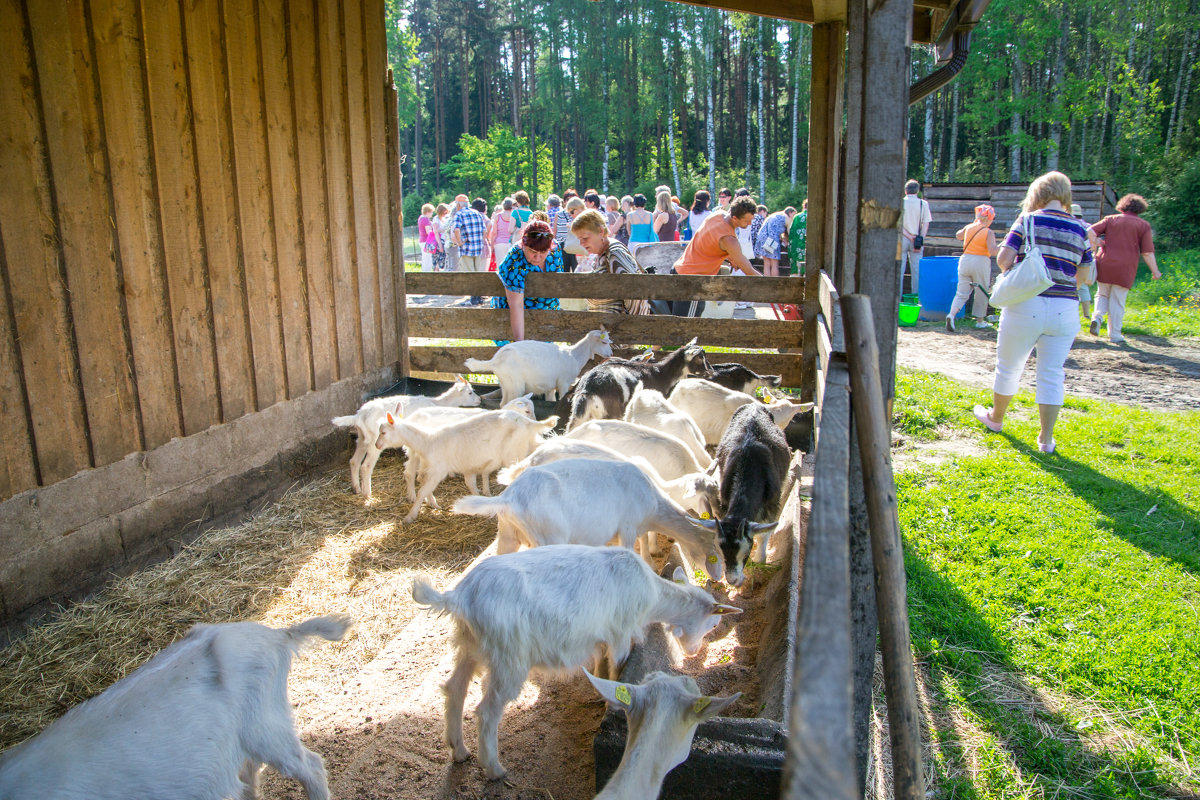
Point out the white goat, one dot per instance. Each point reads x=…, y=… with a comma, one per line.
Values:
x=591, y=502
x=648, y=407
x=663, y=712
x=475, y=446
x=552, y=607
x=542, y=367
x=198, y=721
x=432, y=418
x=670, y=456
x=712, y=406
x=688, y=490
x=371, y=414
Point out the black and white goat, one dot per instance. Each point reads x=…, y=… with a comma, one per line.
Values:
x=753, y=456
x=742, y=379
x=605, y=390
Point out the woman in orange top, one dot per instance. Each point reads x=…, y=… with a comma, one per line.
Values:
x=975, y=265
x=714, y=243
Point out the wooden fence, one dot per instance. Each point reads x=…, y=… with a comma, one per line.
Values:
x=198, y=218
x=440, y=323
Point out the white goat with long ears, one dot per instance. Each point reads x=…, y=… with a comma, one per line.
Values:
x=591, y=502
x=196, y=721
x=552, y=607
x=371, y=414
x=648, y=407
x=712, y=406
x=542, y=367
x=663, y=712
x=432, y=418
x=475, y=446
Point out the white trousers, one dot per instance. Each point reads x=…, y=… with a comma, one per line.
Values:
x=1050, y=325
x=912, y=259
x=502, y=249
x=1110, y=299
x=426, y=261
x=972, y=269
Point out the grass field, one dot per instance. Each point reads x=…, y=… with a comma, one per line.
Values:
x=1169, y=306
x=1054, y=598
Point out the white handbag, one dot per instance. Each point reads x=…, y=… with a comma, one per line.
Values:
x=1026, y=279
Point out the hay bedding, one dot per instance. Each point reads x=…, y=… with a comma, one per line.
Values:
x=370, y=705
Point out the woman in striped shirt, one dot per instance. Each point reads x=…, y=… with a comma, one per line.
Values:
x=1049, y=321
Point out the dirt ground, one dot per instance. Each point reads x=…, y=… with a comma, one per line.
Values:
x=1146, y=371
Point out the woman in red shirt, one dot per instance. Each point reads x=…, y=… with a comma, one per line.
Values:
x=1118, y=240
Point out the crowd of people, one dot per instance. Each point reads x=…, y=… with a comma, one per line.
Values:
x=597, y=233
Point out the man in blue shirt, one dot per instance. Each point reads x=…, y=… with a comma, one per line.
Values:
x=470, y=225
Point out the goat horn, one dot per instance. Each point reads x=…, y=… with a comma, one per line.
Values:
x=722, y=609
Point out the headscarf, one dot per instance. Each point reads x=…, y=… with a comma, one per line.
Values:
x=537, y=236
x=985, y=211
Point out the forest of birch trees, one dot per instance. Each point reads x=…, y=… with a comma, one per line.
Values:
x=621, y=95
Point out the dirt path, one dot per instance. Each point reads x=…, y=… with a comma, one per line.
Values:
x=1147, y=371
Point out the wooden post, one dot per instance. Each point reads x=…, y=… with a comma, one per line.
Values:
x=396, y=215
x=820, y=757
x=874, y=439
x=823, y=134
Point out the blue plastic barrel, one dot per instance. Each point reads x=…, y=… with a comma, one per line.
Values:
x=939, y=281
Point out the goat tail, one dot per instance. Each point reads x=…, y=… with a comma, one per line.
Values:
x=479, y=506
x=331, y=628
x=428, y=597
x=478, y=365
x=344, y=422
x=506, y=476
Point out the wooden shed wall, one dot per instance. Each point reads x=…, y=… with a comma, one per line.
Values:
x=193, y=219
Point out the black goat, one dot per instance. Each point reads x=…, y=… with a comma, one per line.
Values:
x=605, y=389
x=742, y=379
x=753, y=457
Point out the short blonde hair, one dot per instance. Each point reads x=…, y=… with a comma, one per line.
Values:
x=1049, y=187
x=426, y=209
x=574, y=203
x=590, y=220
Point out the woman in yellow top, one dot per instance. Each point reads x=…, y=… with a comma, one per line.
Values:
x=975, y=265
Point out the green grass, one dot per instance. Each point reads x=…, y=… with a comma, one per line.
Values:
x=1169, y=306
x=1054, y=599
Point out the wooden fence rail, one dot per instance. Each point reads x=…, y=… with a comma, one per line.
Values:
x=634, y=287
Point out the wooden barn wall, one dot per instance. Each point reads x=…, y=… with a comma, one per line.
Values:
x=193, y=219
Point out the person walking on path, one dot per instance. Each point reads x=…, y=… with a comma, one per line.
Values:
x=1048, y=321
x=975, y=266
x=915, y=225
x=470, y=227
x=1118, y=240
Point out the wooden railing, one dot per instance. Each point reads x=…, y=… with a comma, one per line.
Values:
x=626, y=330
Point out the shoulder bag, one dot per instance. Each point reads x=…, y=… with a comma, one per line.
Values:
x=1027, y=278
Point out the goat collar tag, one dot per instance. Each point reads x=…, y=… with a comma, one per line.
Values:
x=701, y=704
x=623, y=695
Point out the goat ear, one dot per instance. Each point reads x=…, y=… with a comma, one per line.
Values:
x=721, y=609
x=550, y=423
x=757, y=528
x=712, y=468
x=803, y=407
x=692, y=343
x=679, y=576
x=706, y=707
x=619, y=694
x=766, y=395
x=706, y=522
x=390, y=419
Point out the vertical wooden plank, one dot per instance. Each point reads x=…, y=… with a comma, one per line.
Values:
x=135, y=209
x=285, y=185
x=365, y=242
x=396, y=218
x=310, y=149
x=376, y=75
x=820, y=758
x=825, y=113
x=208, y=88
x=179, y=208
x=18, y=469
x=252, y=182
x=67, y=80
x=341, y=210
x=37, y=293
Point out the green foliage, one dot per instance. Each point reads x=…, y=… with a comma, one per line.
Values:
x=1169, y=306
x=490, y=166
x=1071, y=576
x=1174, y=212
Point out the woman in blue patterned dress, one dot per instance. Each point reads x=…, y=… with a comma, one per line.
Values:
x=536, y=254
x=769, y=244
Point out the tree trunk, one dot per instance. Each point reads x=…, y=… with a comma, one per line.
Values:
x=927, y=144
x=1014, y=165
x=1190, y=52
x=417, y=131
x=762, y=152
x=464, y=79
x=671, y=122
x=708, y=124
x=953, y=160
x=795, y=104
